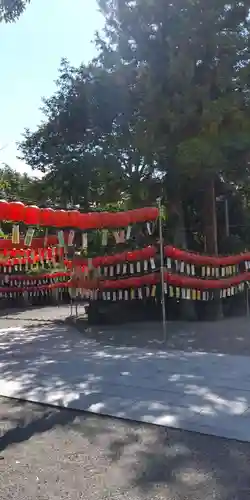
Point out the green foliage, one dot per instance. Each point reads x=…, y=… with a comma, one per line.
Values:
x=161, y=110
x=11, y=10
x=190, y=62
x=86, y=147
x=59, y=268
x=192, y=67
x=16, y=186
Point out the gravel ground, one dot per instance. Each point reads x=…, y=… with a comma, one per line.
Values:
x=50, y=454
x=53, y=454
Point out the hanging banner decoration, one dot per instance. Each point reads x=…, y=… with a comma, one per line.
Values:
x=41, y=256
x=90, y=263
x=119, y=236
x=205, y=260
x=144, y=255
x=127, y=275
x=29, y=236
x=46, y=238
x=61, y=241
x=149, y=228
x=128, y=233
x=71, y=238
x=84, y=241
x=175, y=281
x=15, y=234
x=54, y=256
x=123, y=289
x=104, y=237
x=150, y=252
x=7, y=245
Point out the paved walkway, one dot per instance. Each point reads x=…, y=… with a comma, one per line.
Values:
x=204, y=392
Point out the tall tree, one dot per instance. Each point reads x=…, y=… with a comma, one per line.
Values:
x=166, y=100
x=17, y=186
x=191, y=61
x=11, y=10
x=86, y=145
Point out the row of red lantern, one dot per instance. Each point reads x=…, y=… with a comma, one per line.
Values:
x=205, y=260
x=33, y=289
x=135, y=282
x=154, y=278
x=32, y=260
x=140, y=254
x=41, y=253
x=7, y=245
x=39, y=277
x=127, y=256
x=170, y=252
x=16, y=211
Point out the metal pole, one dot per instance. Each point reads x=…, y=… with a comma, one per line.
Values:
x=247, y=298
x=226, y=217
x=214, y=216
x=164, y=325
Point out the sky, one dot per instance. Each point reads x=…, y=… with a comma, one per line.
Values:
x=30, y=55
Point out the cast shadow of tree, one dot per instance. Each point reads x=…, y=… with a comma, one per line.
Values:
x=230, y=336
x=56, y=366
x=22, y=429
x=183, y=464
x=84, y=374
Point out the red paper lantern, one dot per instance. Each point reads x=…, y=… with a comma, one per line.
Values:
x=134, y=216
x=111, y=219
x=144, y=214
x=74, y=218
x=4, y=205
x=64, y=218
x=152, y=213
x=46, y=216
x=138, y=215
x=122, y=219
x=53, y=218
x=16, y=211
x=104, y=219
x=61, y=218
x=31, y=216
x=95, y=220
x=85, y=222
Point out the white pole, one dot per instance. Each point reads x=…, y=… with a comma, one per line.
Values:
x=164, y=325
x=227, y=218
x=247, y=299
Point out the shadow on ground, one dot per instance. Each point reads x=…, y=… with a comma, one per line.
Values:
x=54, y=365
x=229, y=336
x=181, y=465
x=177, y=464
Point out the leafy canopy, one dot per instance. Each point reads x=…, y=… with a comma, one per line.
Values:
x=191, y=59
x=166, y=99
x=11, y=10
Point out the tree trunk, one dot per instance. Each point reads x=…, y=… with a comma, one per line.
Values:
x=177, y=222
x=211, y=240
x=210, y=218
